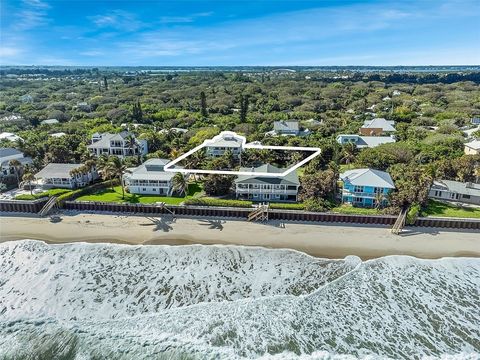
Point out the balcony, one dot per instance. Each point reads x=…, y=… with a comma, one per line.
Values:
x=360, y=194
x=265, y=191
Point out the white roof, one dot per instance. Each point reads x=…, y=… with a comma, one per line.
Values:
x=56, y=170
x=226, y=140
x=9, y=136
x=59, y=134
x=49, y=121
x=385, y=125
x=285, y=125
x=474, y=145
x=152, y=169
x=368, y=177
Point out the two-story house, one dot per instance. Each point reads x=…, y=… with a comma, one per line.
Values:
x=224, y=142
x=364, y=187
x=364, y=141
x=117, y=144
x=9, y=154
x=56, y=175
x=150, y=178
x=264, y=188
x=377, y=127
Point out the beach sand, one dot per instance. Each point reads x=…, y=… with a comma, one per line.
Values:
x=329, y=240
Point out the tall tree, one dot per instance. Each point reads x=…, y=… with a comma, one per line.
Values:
x=243, y=108
x=29, y=177
x=203, y=104
x=16, y=165
x=105, y=83
x=137, y=113
x=117, y=168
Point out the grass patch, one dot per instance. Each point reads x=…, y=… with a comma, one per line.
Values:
x=208, y=201
x=441, y=209
x=115, y=195
x=348, y=209
x=48, y=193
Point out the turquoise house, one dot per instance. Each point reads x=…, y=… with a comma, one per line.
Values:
x=364, y=187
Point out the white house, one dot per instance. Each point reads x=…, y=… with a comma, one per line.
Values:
x=472, y=148
x=49, y=122
x=456, y=191
x=286, y=128
x=264, y=188
x=226, y=142
x=377, y=126
x=116, y=144
x=8, y=154
x=9, y=136
x=475, y=120
x=150, y=178
x=56, y=175
x=364, y=141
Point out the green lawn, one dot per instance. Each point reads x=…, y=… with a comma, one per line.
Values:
x=348, y=209
x=115, y=195
x=440, y=209
x=48, y=193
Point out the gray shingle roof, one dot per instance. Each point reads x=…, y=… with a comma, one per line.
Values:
x=290, y=179
x=56, y=170
x=285, y=126
x=368, y=177
x=458, y=187
x=386, y=125
x=4, y=152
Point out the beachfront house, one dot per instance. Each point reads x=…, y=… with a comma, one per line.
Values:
x=224, y=142
x=150, y=178
x=456, y=191
x=365, y=141
x=49, y=122
x=56, y=175
x=377, y=127
x=365, y=187
x=472, y=148
x=9, y=154
x=117, y=144
x=264, y=188
x=286, y=128
x=10, y=137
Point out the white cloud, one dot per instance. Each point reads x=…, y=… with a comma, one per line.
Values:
x=33, y=14
x=6, y=51
x=117, y=19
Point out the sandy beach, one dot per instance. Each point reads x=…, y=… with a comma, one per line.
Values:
x=331, y=241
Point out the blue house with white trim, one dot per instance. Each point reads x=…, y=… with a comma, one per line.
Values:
x=361, y=187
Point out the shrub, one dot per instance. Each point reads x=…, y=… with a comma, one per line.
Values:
x=412, y=214
x=316, y=204
x=287, y=206
x=218, y=202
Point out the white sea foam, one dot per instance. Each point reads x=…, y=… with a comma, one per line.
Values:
x=114, y=301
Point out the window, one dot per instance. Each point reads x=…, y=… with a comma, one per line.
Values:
x=464, y=196
x=358, y=199
x=358, y=189
x=143, y=189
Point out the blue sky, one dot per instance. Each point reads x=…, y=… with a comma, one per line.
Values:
x=269, y=32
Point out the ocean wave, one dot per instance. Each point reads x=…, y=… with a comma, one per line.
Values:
x=142, y=302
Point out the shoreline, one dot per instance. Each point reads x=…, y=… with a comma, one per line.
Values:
x=327, y=240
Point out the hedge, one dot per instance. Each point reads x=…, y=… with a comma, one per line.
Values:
x=218, y=202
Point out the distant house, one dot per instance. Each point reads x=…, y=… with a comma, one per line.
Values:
x=457, y=191
x=150, y=178
x=9, y=136
x=472, y=148
x=263, y=188
x=377, y=126
x=362, y=187
x=8, y=154
x=83, y=106
x=475, y=120
x=116, y=144
x=56, y=175
x=364, y=141
x=59, y=134
x=226, y=142
x=286, y=128
x=49, y=122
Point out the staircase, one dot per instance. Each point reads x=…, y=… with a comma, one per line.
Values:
x=49, y=205
x=259, y=214
x=400, y=222
x=163, y=206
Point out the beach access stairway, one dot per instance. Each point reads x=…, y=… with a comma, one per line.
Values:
x=259, y=214
x=49, y=205
x=400, y=222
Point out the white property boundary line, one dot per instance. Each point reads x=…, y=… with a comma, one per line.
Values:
x=244, y=145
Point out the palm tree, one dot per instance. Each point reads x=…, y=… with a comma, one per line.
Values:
x=349, y=153
x=175, y=153
x=16, y=165
x=75, y=173
x=117, y=168
x=379, y=199
x=132, y=145
x=477, y=174
x=29, y=177
x=180, y=183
